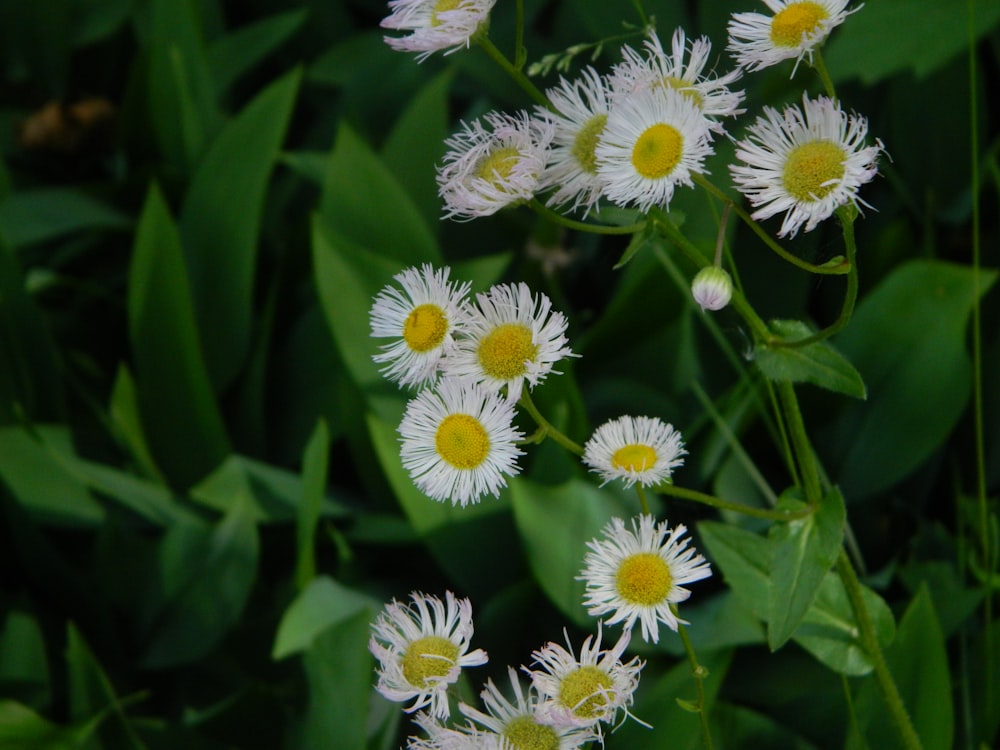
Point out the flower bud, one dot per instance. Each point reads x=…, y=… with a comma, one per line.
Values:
x=712, y=288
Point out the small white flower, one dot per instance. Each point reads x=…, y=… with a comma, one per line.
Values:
x=512, y=337
x=634, y=449
x=638, y=574
x=422, y=648
x=794, y=31
x=659, y=69
x=487, y=169
x=651, y=143
x=712, y=288
x=582, y=108
x=804, y=162
x=519, y=722
x=421, y=318
x=459, y=441
x=440, y=737
x=586, y=690
x=436, y=25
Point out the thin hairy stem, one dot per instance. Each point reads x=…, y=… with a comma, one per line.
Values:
x=699, y=673
x=510, y=69
x=747, y=510
x=643, y=502
x=546, y=427
x=581, y=226
x=819, y=65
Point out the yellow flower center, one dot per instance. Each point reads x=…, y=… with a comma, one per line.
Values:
x=585, y=143
x=462, y=441
x=425, y=328
x=584, y=691
x=813, y=169
x=634, y=457
x=505, y=350
x=657, y=151
x=428, y=657
x=644, y=578
x=524, y=733
x=440, y=7
x=683, y=86
x=497, y=165
x=795, y=21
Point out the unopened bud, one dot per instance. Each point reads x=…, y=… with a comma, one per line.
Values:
x=712, y=288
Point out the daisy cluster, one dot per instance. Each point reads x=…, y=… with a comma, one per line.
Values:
x=632, y=136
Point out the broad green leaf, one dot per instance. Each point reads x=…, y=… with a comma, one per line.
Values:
x=819, y=363
x=717, y=621
x=363, y=202
x=23, y=729
x=742, y=727
x=314, y=468
x=94, y=20
x=321, y=605
x=985, y=669
x=930, y=34
x=339, y=671
x=803, y=551
x=180, y=417
x=416, y=145
x=907, y=340
x=308, y=164
x=41, y=485
x=126, y=420
x=24, y=668
x=220, y=223
x=232, y=55
x=206, y=576
x=555, y=523
x=31, y=216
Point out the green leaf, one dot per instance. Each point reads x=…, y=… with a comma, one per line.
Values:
x=220, y=223
x=321, y=605
x=803, y=551
x=314, y=468
x=908, y=341
x=23, y=729
x=819, y=363
x=635, y=246
x=94, y=20
x=127, y=422
x=555, y=523
x=234, y=54
x=363, y=202
x=32, y=216
x=932, y=33
x=206, y=574
x=24, y=667
x=180, y=418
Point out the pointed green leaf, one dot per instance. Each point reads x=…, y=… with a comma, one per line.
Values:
x=321, y=605
x=31, y=216
x=314, y=467
x=234, y=54
x=819, y=363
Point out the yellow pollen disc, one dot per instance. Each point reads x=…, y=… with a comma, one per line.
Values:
x=685, y=87
x=585, y=143
x=657, y=151
x=441, y=6
x=634, y=457
x=523, y=733
x=425, y=328
x=427, y=657
x=504, y=351
x=813, y=169
x=644, y=578
x=584, y=691
x=497, y=165
x=796, y=20
x=462, y=441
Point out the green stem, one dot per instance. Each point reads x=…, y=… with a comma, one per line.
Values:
x=836, y=270
x=510, y=69
x=747, y=510
x=847, y=215
x=637, y=4
x=546, y=426
x=699, y=673
x=819, y=65
x=869, y=640
x=800, y=442
x=642, y=499
x=557, y=218
x=520, y=53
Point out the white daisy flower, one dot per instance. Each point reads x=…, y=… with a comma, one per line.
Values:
x=652, y=142
x=487, y=169
x=804, y=162
x=794, y=31
x=712, y=288
x=586, y=690
x=436, y=25
x=422, y=318
x=636, y=575
x=422, y=648
x=582, y=108
x=519, y=722
x=683, y=69
x=634, y=449
x=440, y=737
x=512, y=337
x=458, y=442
